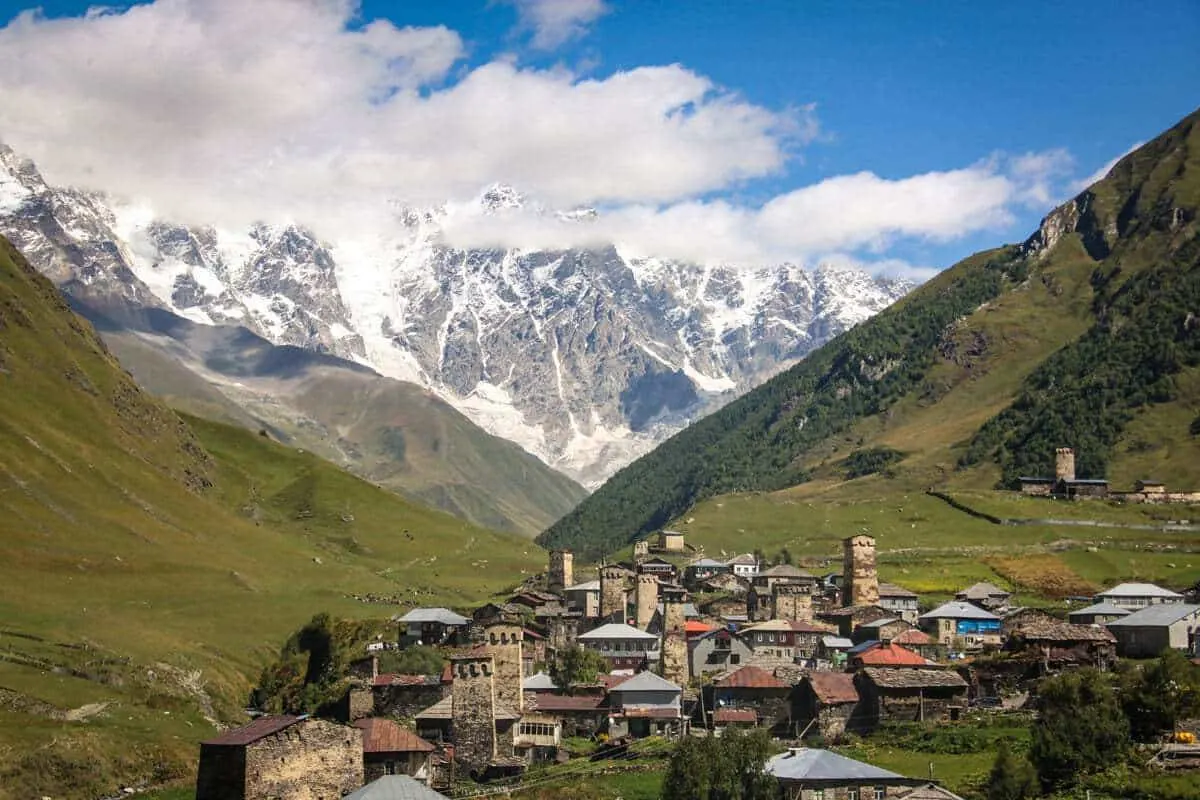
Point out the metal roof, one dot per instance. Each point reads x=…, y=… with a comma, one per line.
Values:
x=750, y=677
x=1137, y=590
x=1157, y=614
x=1101, y=609
x=444, y=709
x=385, y=736
x=707, y=562
x=878, y=623
x=959, y=610
x=395, y=787
x=983, y=591
x=803, y=763
x=443, y=615
x=836, y=642
x=892, y=590
x=541, y=682
x=646, y=682
x=258, y=729
x=586, y=586
x=615, y=630
x=833, y=687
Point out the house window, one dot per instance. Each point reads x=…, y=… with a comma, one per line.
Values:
x=879, y=792
x=735, y=658
x=817, y=794
x=852, y=794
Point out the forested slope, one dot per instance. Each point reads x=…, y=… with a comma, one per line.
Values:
x=1074, y=333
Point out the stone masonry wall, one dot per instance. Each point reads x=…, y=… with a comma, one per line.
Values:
x=562, y=570
x=647, y=599
x=612, y=591
x=474, y=708
x=861, y=587
x=312, y=760
x=503, y=643
x=793, y=603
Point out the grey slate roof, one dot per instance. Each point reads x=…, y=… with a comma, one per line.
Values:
x=1137, y=590
x=615, y=630
x=1155, y=615
x=809, y=764
x=958, y=610
x=1101, y=609
x=395, y=787
x=541, y=682
x=836, y=642
x=646, y=682
x=443, y=615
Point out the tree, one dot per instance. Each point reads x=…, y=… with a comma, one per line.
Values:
x=415, y=660
x=1012, y=777
x=1080, y=728
x=1155, y=697
x=577, y=665
x=726, y=768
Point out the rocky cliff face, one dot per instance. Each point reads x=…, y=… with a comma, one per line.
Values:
x=587, y=358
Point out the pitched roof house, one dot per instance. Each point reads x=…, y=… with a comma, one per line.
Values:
x=1156, y=628
x=824, y=704
x=395, y=787
x=389, y=749
x=962, y=624
x=910, y=694
x=1138, y=595
x=985, y=595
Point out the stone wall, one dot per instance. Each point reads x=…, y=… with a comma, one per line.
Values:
x=674, y=636
x=474, y=709
x=793, y=602
x=861, y=581
x=562, y=632
x=646, y=599
x=503, y=643
x=311, y=760
x=612, y=592
x=404, y=702
x=562, y=570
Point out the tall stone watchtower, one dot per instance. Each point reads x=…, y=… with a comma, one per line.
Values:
x=641, y=551
x=502, y=642
x=562, y=570
x=473, y=711
x=860, y=581
x=646, y=599
x=613, y=594
x=1064, y=464
x=674, y=635
x=793, y=601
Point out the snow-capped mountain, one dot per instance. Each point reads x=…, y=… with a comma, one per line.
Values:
x=586, y=358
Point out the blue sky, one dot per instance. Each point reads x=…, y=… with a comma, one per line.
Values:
x=899, y=90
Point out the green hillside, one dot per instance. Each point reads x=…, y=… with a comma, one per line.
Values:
x=1085, y=335
x=393, y=433
x=151, y=564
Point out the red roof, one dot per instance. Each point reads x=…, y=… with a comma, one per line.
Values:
x=736, y=715
x=531, y=634
x=890, y=655
x=564, y=702
x=447, y=673
x=258, y=729
x=913, y=636
x=750, y=677
x=385, y=736
x=833, y=687
x=695, y=627
x=611, y=681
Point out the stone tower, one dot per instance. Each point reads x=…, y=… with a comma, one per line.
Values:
x=473, y=711
x=646, y=600
x=562, y=632
x=502, y=642
x=641, y=550
x=612, y=592
x=860, y=581
x=562, y=570
x=793, y=601
x=674, y=635
x=1064, y=464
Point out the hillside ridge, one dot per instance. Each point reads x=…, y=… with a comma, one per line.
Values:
x=1084, y=280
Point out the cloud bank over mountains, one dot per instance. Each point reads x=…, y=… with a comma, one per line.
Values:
x=226, y=112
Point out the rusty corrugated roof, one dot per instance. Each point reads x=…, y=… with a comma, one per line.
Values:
x=258, y=729
x=750, y=677
x=833, y=687
x=385, y=736
x=735, y=715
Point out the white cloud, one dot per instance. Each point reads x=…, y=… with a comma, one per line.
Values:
x=851, y=214
x=227, y=112
x=556, y=22
x=1079, y=185
x=222, y=109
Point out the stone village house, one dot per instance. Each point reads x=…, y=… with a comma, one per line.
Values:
x=825, y=704
x=389, y=749
x=300, y=758
x=908, y=694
